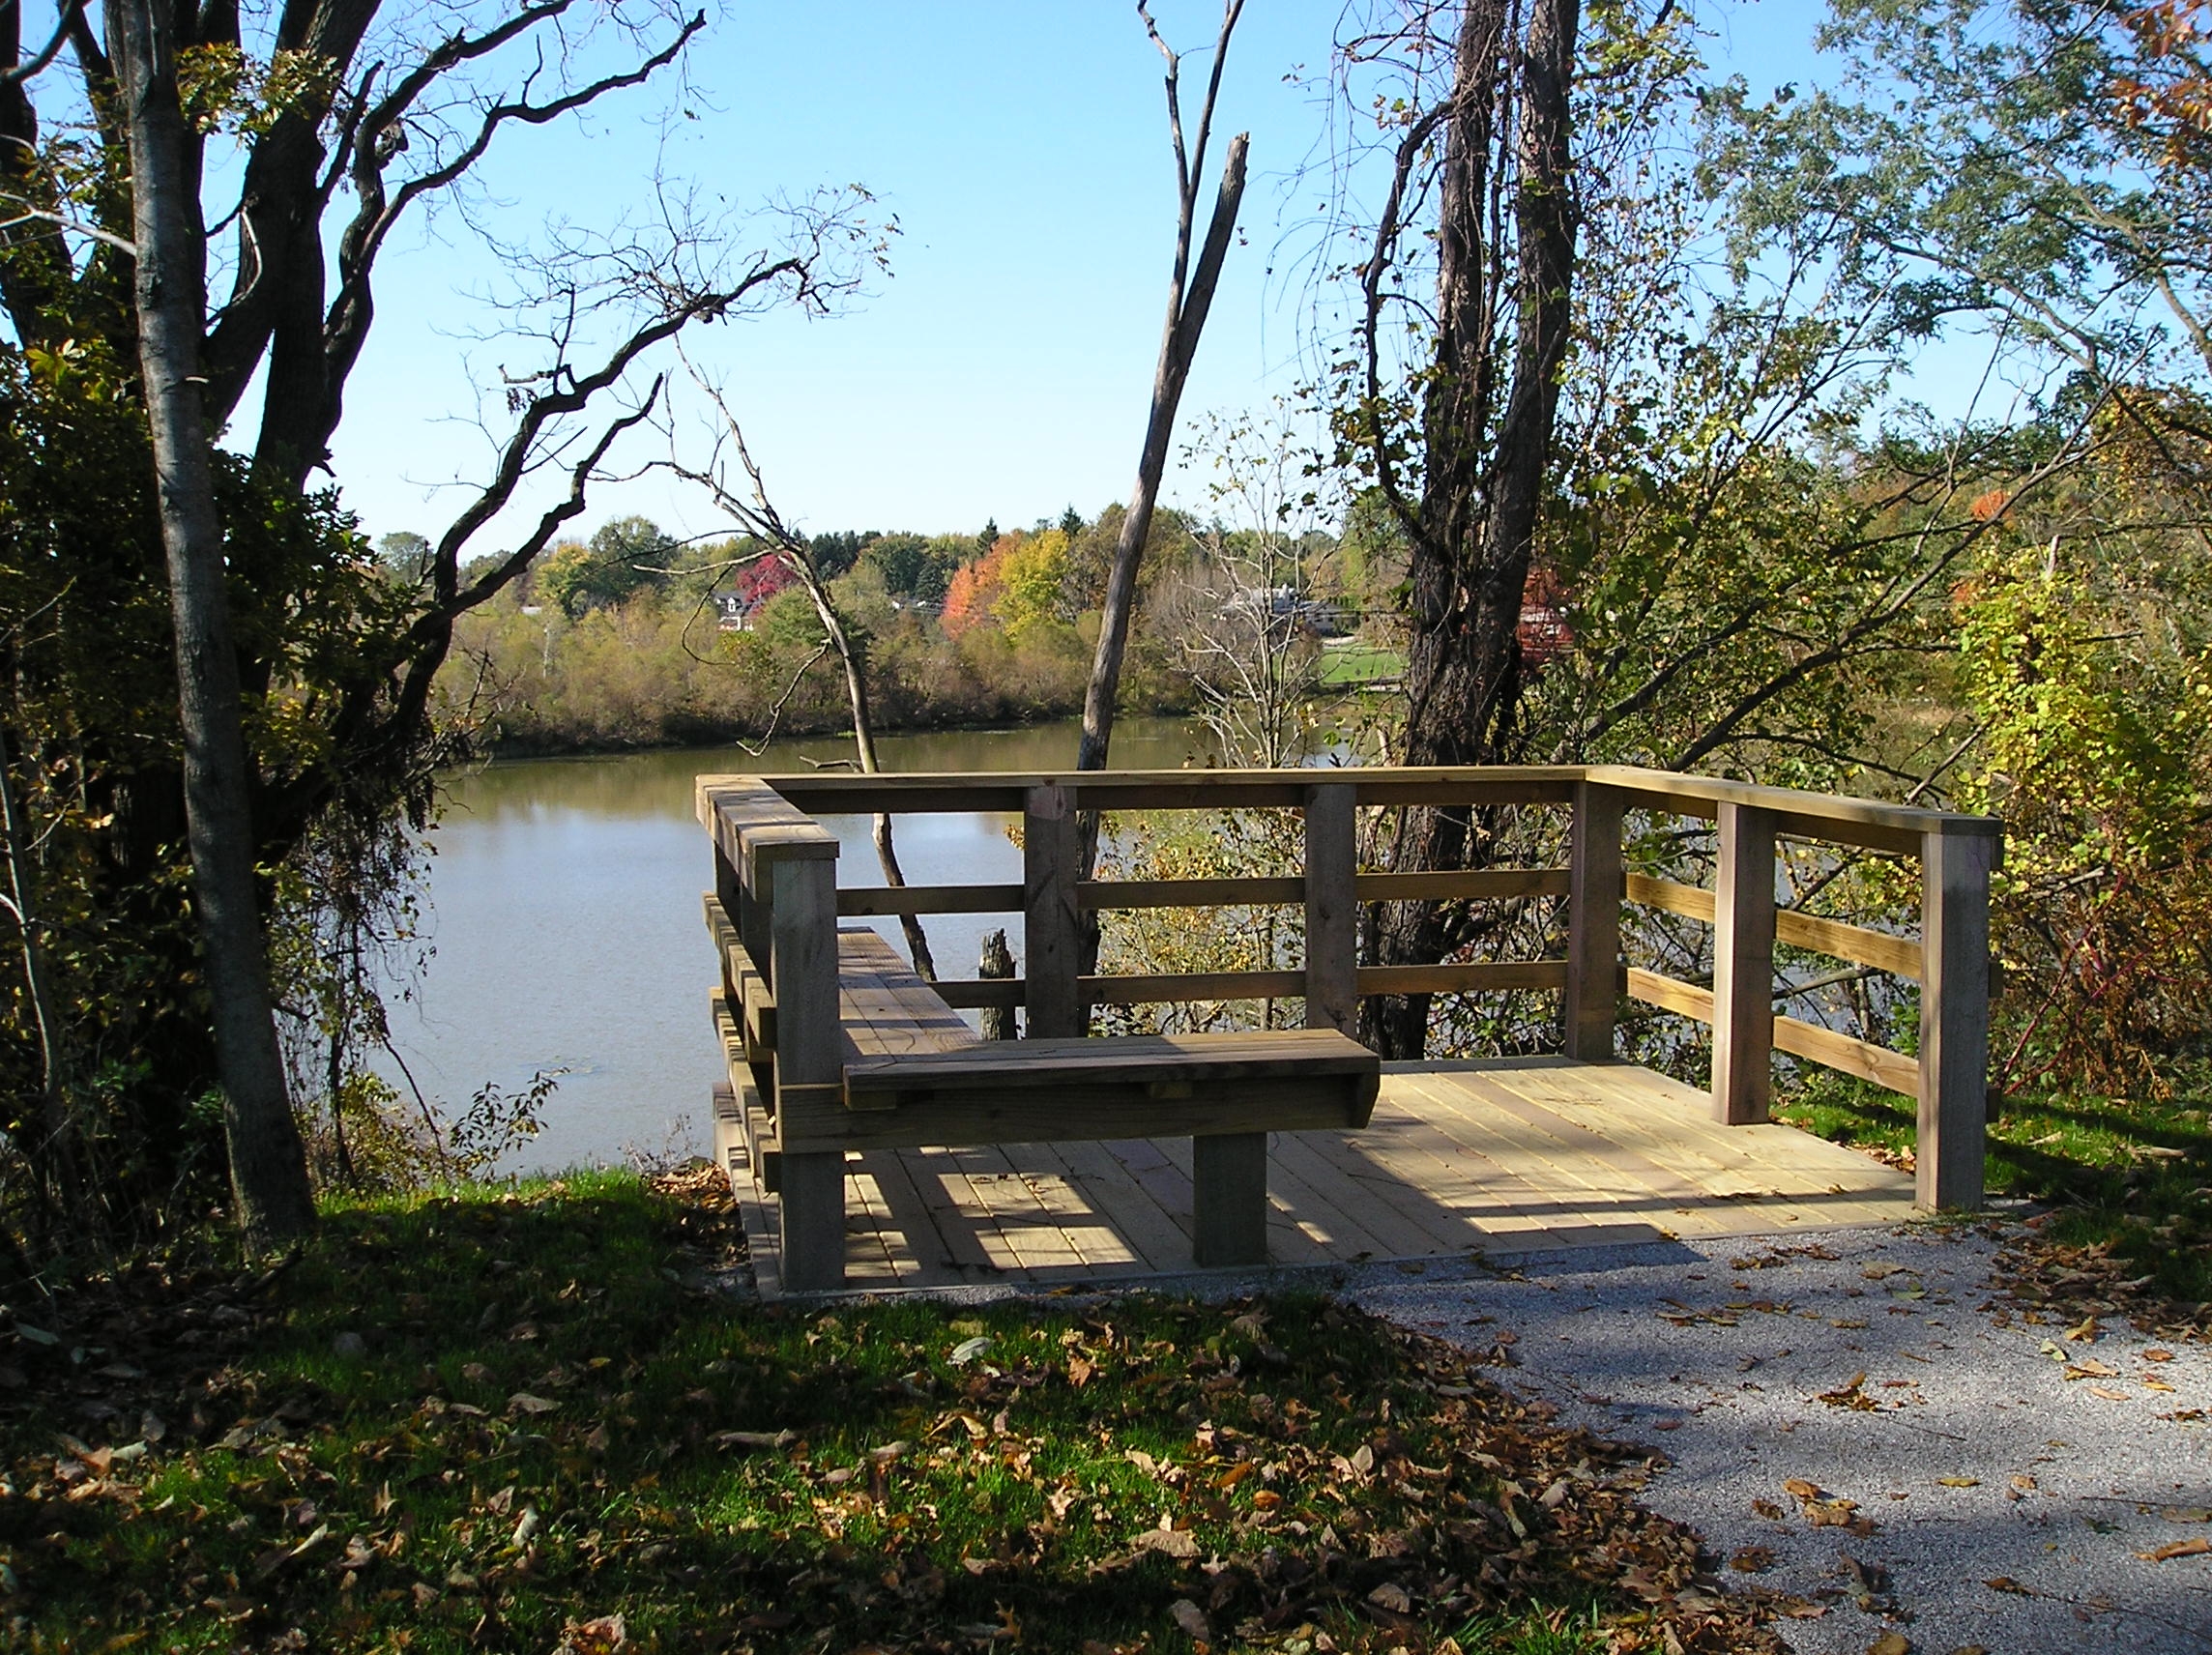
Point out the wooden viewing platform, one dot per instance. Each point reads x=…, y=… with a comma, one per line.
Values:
x=1492, y=1157
x=874, y=1143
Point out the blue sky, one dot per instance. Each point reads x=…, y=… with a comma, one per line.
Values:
x=1002, y=370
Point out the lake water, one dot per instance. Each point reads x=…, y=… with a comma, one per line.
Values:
x=564, y=915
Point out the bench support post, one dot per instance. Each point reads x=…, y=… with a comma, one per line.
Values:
x=1743, y=967
x=808, y=1061
x=1229, y=1174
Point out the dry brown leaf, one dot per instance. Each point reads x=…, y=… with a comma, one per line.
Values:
x=1391, y=1598
x=2197, y=1546
x=522, y=1401
x=2158, y=1355
x=1891, y=1643
x=1190, y=1620
x=1167, y=1542
x=2110, y=1394
x=1803, y=1489
x=2186, y=1514
x=1958, y=1482
x=604, y=1636
x=2089, y=1368
x=2007, y=1583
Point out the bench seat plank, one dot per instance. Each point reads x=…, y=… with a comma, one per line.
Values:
x=1163, y=1058
x=888, y=1011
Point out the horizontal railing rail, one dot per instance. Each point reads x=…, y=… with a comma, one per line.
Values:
x=766, y=820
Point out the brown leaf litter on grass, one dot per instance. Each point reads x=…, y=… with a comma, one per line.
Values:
x=2046, y=1283
x=1388, y=1508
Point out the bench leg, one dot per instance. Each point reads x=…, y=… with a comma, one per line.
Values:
x=1229, y=1173
x=811, y=1212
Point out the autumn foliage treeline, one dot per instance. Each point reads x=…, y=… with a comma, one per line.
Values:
x=631, y=639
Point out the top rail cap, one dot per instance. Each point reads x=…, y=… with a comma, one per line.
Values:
x=1841, y=808
x=751, y=822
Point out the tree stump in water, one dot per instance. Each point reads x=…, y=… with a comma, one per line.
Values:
x=998, y=961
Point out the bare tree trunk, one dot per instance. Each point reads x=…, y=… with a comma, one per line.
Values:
x=864, y=744
x=1474, y=532
x=759, y=518
x=1190, y=294
x=267, y=1166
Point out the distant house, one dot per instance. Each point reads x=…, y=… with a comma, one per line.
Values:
x=1287, y=604
x=1544, y=631
x=731, y=612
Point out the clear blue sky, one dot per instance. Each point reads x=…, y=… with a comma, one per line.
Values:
x=1002, y=370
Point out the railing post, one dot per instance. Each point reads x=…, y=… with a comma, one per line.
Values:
x=1743, y=966
x=1332, y=907
x=1051, y=939
x=808, y=1067
x=1954, y=1018
x=1593, y=923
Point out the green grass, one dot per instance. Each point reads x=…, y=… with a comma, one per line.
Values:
x=2133, y=1175
x=1348, y=664
x=536, y=1432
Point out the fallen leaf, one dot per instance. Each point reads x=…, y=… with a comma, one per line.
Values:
x=2158, y=1385
x=1079, y=1371
x=968, y=1350
x=2085, y=1334
x=1767, y=1509
x=2186, y=1514
x=2110, y=1394
x=1958, y=1482
x=1392, y=1598
x=2007, y=1583
x=2158, y=1355
x=1803, y=1489
x=604, y=1636
x=1849, y=1395
x=2197, y=1546
x=1190, y=1620
x=522, y=1401
x=1753, y=1559
x=751, y=1438
x=2089, y=1368
x=1891, y=1643
x=1167, y=1542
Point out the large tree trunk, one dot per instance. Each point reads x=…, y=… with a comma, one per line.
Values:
x=1485, y=465
x=268, y=1170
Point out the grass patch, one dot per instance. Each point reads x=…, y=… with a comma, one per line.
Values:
x=1354, y=666
x=501, y=1419
x=2126, y=1178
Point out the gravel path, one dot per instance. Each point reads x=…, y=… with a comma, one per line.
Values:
x=1994, y=1501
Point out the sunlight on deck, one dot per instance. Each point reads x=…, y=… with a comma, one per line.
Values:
x=1492, y=1157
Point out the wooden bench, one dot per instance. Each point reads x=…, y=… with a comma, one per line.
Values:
x=908, y=1072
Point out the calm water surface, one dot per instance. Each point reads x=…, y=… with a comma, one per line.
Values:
x=563, y=916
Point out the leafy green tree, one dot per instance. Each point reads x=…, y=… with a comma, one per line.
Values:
x=1030, y=579
x=623, y=556
x=190, y=147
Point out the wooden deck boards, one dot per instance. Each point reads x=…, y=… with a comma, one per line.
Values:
x=1500, y=1157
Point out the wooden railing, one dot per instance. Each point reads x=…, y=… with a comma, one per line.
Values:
x=1949, y=959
